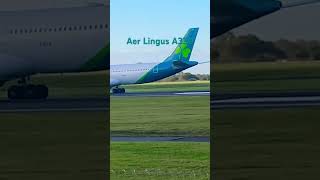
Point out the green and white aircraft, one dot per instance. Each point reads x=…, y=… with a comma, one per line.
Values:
x=51, y=41
x=149, y=72
x=77, y=40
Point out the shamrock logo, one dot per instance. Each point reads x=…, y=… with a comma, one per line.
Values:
x=183, y=49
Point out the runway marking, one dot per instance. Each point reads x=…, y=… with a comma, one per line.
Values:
x=193, y=93
x=269, y=99
x=266, y=102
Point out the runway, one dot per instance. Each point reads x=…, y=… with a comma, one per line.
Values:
x=55, y=105
x=266, y=100
x=219, y=102
x=163, y=94
x=94, y=104
x=159, y=139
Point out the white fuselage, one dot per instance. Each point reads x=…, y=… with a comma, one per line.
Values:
x=124, y=74
x=50, y=40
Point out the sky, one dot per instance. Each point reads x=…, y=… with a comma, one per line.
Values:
x=292, y=23
x=157, y=19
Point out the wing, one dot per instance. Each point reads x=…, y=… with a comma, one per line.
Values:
x=228, y=14
x=299, y=3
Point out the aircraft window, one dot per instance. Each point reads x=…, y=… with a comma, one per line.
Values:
x=35, y=30
x=45, y=30
x=25, y=31
x=50, y=29
x=80, y=28
x=30, y=30
x=11, y=31
x=21, y=31
x=16, y=31
x=65, y=28
x=106, y=26
x=101, y=26
x=85, y=27
x=75, y=28
x=40, y=30
x=90, y=27
x=70, y=28
x=96, y=26
x=55, y=29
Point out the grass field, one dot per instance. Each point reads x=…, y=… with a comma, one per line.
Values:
x=266, y=144
x=170, y=86
x=266, y=77
x=53, y=146
x=160, y=116
x=171, y=161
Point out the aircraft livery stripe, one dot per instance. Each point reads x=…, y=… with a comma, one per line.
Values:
x=99, y=62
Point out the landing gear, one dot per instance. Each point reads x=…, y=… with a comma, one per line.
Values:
x=118, y=90
x=27, y=91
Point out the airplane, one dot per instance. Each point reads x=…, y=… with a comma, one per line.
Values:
x=141, y=73
x=75, y=39
x=229, y=14
x=226, y=15
x=56, y=40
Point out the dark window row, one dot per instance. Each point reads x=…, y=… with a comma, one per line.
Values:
x=130, y=70
x=59, y=29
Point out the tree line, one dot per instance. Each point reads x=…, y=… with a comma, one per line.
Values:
x=249, y=48
x=187, y=77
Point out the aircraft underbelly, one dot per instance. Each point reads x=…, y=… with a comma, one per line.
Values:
x=64, y=54
x=11, y=67
x=127, y=77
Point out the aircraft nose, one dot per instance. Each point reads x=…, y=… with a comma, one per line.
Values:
x=266, y=6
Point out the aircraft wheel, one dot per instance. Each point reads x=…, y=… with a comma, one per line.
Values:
x=28, y=92
x=15, y=92
x=118, y=90
x=42, y=91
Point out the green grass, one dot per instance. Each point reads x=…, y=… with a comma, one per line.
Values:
x=172, y=161
x=266, y=144
x=160, y=116
x=53, y=145
x=266, y=77
x=170, y=86
x=267, y=70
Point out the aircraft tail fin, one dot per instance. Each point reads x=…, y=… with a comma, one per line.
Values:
x=184, y=49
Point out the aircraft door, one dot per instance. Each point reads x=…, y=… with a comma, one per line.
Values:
x=156, y=69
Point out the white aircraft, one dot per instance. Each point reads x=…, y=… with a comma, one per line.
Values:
x=51, y=41
x=150, y=72
x=77, y=40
